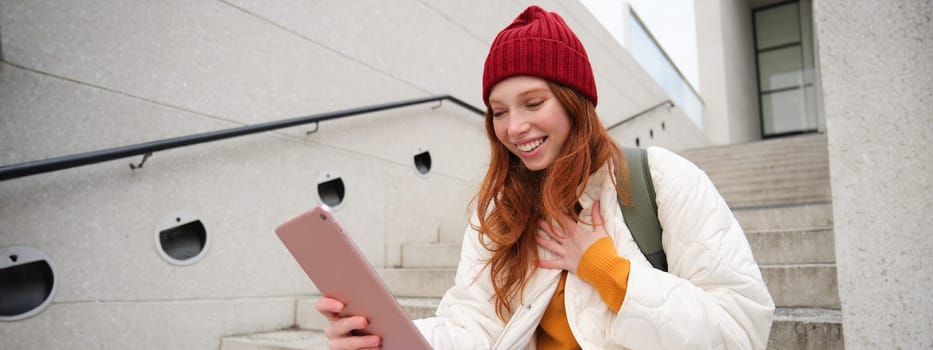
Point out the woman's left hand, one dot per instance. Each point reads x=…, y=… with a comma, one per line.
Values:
x=569, y=247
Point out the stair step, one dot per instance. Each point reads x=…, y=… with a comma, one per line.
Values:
x=815, y=188
x=307, y=317
x=766, y=182
x=419, y=307
x=418, y=283
x=748, y=195
x=739, y=159
x=802, y=285
x=807, y=246
x=771, y=179
x=806, y=329
x=776, y=196
x=804, y=143
x=770, y=176
x=790, y=160
x=764, y=147
x=289, y=339
x=812, y=153
x=430, y=255
x=784, y=216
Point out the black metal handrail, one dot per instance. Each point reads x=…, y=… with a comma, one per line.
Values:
x=639, y=114
x=13, y=171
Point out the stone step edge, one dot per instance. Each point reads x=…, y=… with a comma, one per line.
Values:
x=767, y=176
x=817, y=138
x=795, y=152
x=807, y=315
x=307, y=318
x=404, y=301
x=799, y=151
x=821, y=191
x=782, y=205
x=282, y=339
x=759, y=176
x=771, y=266
x=745, y=203
x=789, y=230
x=762, y=160
x=417, y=243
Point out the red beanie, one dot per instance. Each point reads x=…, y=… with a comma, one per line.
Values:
x=538, y=43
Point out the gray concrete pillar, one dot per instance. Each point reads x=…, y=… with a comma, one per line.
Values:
x=877, y=67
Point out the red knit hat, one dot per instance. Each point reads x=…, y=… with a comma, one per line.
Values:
x=540, y=44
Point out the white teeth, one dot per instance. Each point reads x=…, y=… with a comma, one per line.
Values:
x=526, y=147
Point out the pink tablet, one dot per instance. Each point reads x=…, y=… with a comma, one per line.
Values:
x=340, y=271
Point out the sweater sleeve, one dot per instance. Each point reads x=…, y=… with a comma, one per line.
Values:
x=603, y=268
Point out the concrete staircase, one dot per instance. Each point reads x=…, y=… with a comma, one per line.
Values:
x=779, y=191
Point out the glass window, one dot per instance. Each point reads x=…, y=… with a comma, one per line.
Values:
x=781, y=68
x=787, y=73
x=783, y=112
x=777, y=26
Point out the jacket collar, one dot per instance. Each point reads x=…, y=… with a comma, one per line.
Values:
x=594, y=188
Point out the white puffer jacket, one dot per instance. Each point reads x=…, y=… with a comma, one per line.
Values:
x=713, y=296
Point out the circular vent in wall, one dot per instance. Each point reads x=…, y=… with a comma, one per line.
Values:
x=27, y=282
x=422, y=160
x=181, y=238
x=330, y=189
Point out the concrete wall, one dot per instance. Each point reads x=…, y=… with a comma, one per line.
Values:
x=726, y=56
x=652, y=129
x=877, y=66
x=89, y=75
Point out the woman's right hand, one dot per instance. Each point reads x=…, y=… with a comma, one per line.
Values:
x=338, y=330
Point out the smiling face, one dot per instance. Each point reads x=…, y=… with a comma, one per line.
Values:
x=529, y=120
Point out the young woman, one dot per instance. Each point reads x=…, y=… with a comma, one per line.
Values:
x=548, y=261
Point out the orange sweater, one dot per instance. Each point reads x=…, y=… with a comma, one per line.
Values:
x=602, y=267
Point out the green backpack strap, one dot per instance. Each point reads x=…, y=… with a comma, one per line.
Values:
x=642, y=217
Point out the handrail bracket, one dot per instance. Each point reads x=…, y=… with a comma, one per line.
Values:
x=312, y=131
x=140, y=165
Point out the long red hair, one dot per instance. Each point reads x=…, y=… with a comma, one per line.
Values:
x=512, y=198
